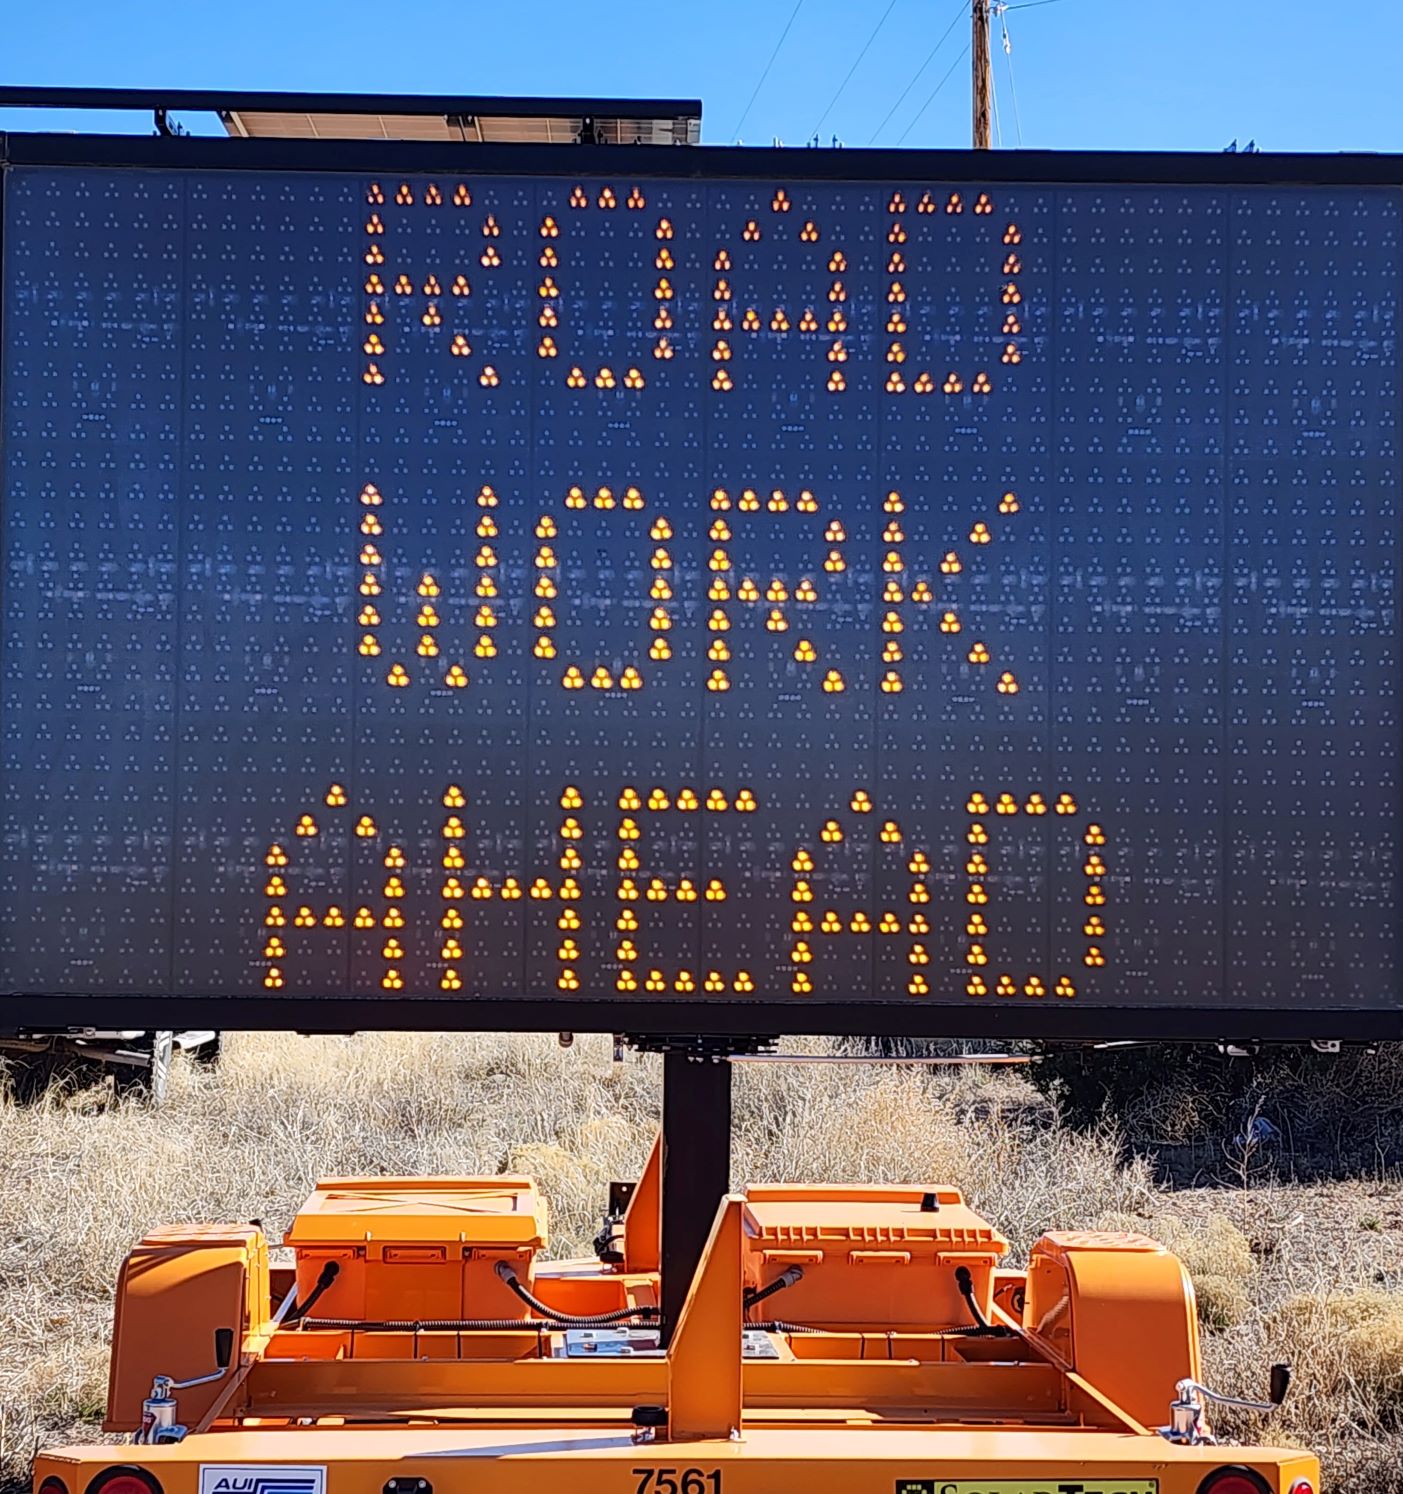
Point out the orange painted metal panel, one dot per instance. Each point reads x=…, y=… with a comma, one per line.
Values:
x=175, y=1289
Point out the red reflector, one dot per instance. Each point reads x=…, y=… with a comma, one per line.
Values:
x=1234, y=1481
x=53, y=1484
x=125, y=1481
x=1303, y=1486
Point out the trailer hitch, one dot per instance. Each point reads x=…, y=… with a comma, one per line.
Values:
x=158, y=1410
x=1186, y=1411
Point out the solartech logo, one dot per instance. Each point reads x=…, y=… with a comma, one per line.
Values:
x=257, y=1478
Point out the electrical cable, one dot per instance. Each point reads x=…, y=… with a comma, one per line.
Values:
x=1008, y=64
x=983, y=1328
x=780, y=1283
x=565, y=1319
x=915, y=77
x=891, y=6
x=794, y=14
x=298, y=1310
x=933, y=93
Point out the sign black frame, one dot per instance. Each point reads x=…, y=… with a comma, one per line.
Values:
x=673, y=1015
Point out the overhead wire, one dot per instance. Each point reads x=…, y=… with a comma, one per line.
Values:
x=916, y=76
x=1008, y=64
x=788, y=26
x=934, y=91
x=857, y=61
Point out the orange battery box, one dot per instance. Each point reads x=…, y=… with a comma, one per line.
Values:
x=879, y=1255
x=418, y=1249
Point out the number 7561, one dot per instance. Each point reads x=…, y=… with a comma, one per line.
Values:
x=678, y=1480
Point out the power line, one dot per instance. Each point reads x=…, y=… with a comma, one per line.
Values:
x=793, y=16
x=915, y=78
x=1008, y=63
x=933, y=92
x=891, y=6
x=1013, y=94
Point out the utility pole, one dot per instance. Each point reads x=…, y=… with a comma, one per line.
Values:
x=983, y=74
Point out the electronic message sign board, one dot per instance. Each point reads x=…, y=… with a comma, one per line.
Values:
x=582, y=595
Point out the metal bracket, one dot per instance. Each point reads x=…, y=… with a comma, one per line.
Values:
x=715, y=1046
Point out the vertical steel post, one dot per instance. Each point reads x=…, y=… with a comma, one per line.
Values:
x=696, y=1169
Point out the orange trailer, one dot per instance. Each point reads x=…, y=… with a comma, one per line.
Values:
x=862, y=1339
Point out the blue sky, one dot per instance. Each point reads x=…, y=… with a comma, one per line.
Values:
x=1144, y=74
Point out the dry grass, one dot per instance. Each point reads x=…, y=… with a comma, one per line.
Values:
x=250, y=1139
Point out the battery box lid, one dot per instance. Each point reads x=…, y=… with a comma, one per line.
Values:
x=503, y=1212
x=927, y=1221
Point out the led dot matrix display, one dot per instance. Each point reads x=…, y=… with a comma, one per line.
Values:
x=622, y=589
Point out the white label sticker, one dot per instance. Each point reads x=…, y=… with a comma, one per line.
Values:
x=262, y=1478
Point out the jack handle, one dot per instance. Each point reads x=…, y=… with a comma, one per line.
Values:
x=158, y=1410
x=1186, y=1420
x=1280, y=1384
x=223, y=1355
